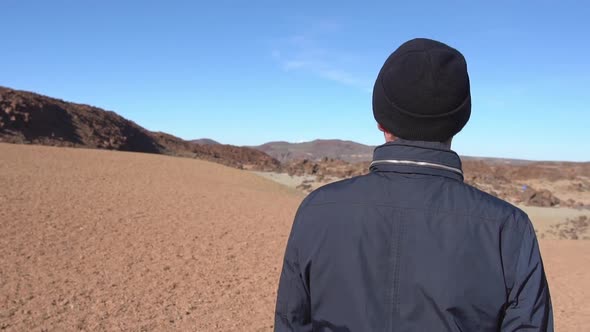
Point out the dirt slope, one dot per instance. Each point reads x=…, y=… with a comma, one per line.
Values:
x=567, y=264
x=102, y=240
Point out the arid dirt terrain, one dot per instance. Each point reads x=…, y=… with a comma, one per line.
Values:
x=103, y=240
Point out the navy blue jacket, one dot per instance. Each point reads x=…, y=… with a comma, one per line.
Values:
x=411, y=247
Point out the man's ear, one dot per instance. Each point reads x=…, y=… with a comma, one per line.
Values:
x=388, y=136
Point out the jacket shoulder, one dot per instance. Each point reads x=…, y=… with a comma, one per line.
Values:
x=492, y=207
x=457, y=197
x=337, y=191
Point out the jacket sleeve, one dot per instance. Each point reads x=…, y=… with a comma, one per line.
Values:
x=293, y=311
x=529, y=303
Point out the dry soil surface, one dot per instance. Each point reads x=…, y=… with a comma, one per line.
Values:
x=100, y=240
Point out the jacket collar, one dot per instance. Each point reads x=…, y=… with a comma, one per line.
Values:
x=421, y=157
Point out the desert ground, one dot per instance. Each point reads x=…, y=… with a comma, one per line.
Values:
x=99, y=240
x=102, y=241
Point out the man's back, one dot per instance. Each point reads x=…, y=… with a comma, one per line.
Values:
x=410, y=247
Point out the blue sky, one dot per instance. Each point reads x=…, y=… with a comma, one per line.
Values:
x=248, y=72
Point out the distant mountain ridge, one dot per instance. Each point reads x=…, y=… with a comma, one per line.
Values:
x=27, y=117
x=318, y=149
x=204, y=141
x=352, y=152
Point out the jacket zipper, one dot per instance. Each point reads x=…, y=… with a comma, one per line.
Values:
x=418, y=163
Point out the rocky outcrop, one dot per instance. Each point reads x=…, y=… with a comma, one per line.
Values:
x=572, y=229
x=541, y=197
x=27, y=117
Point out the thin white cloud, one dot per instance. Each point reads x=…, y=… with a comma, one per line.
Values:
x=294, y=64
x=302, y=52
x=339, y=76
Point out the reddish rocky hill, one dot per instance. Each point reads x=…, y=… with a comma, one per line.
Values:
x=27, y=117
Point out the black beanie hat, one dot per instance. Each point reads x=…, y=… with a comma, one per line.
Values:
x=422, y=92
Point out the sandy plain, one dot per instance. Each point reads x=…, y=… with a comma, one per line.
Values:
x=101, y=241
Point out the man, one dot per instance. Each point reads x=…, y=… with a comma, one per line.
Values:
x=410, y=246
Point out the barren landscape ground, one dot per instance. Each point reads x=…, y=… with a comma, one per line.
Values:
x=101, y=240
